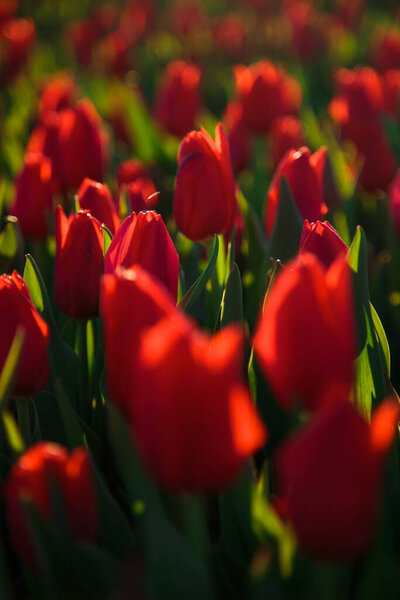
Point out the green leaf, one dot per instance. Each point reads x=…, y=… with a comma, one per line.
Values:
x=64, y=362
x=136, y=481
x=107, y=239
x=11, y=246
x=268, y=526
x=372, y=355
x=13, y=435
x=193, y=293
x=232, y=300
x=380, y=332
x=176, y=572
x=286, y=234
x=10, y=366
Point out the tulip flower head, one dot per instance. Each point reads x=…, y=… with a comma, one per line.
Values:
x=17, y=311
x=30, y=481
x=204, y=198
x=78, y=264
x=298, y=166
x=305, y=341
x=143, y=239
x=333, y=487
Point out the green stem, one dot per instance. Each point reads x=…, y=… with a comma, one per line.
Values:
x=24, y=421
x=84, y=404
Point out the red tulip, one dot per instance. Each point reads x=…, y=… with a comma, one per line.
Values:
x=59, y=93
x=286, y=133
x=239, y=136
x=305, y=341
x=44, y=140
x=266, y=92
x=131, y=301
x=141, y=194
x=305, y=185
x=190, y=389
x=357, y=109
x=391, y=82
x=30, y=481
x=96, y=198
x=204, y=199
x=82, y=148
x=17, y=37
x=78, y=264
x=18, y=311
x=178, y=98
x=309, y=34
x=143, y=239
x=331, y=475
x=230, y=34
x=322, y=240
x=129, y=170
x=386, y=49
x=8, y=8
x=34, y=196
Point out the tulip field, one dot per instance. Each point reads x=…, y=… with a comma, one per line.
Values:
x=199, y=299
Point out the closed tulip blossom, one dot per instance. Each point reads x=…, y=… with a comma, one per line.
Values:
x=144, y=240
x=131, y=301
x=59, y=92
x=141, y=194
x=96, y=198
x=285, y=133
x=78, y=263
x=331, y=475
x=298, y=166
x=204, y=197
x=357, y=109
x=18, y=312
x=178, y=99
x=322, y=240
x=266, y=92
x=82, y=144
x=34, y=195
x=30, y=481
x=305, y=340
x=190, y=389
x=17, y=37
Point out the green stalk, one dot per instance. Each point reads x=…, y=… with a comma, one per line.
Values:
x=84, y=400
x=24, y=421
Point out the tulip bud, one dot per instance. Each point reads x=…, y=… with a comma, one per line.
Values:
x=178, y=98
x=305, y=341
x=190, y=389
x=18, y=311
x=144, y=240
x=204, y=198
x=34, y=195
x=59, y=93
x=357, y=109
x=322, y=240
x=96, y=198
x=333, y=488
x=131, y=301
x=17, y=37
x=304, y=184
x=78, y=264
x=286, y=133
x=266, y=92
x=238, y=135
x=30, y=481
x=141, y=194
x=82, y=145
